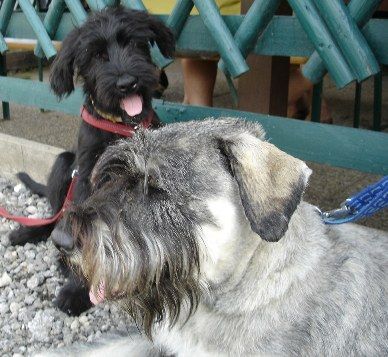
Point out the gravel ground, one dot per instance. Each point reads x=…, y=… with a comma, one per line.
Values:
x=29, y=282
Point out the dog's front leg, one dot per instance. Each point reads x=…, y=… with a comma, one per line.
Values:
x=73, y=298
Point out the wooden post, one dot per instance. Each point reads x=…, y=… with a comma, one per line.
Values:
x=264, y=89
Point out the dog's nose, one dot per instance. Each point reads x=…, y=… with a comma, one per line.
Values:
x=126, y=83
x=62, y=241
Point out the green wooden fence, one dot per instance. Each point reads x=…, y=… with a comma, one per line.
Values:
x=341, y=40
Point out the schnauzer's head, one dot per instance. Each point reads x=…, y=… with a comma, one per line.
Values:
x=174, y=210
x=110, y=53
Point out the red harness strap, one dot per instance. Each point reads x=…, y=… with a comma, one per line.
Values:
x=32, y=222
x=116, y=128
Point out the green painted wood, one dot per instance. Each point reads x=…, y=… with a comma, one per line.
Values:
x=350, y=39
x=361, y=11
x=96, y=5
x=112, y=3
x=227, y=48
x=377, y=101
x=179, y=15
x=6, y=14
x=134, y=5
x=329, y=144
x=324, y=43
x=357, y=105
x=256, y=20
x=3, y=45
x=37, y=26
x=157, y=57
x=283, y=37
x=317, y=102
x=51, y=22
x=77, y=11
x=19, y=91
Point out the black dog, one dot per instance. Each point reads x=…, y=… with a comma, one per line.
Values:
x=110, y=53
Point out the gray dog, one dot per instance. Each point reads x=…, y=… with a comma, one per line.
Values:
x=199, y=232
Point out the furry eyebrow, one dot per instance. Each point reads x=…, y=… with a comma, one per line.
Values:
x=98, y=44
x=122, y=36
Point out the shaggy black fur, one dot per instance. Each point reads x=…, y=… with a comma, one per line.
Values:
x=110, y=54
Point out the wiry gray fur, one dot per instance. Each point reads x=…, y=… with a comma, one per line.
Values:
x=200, y=231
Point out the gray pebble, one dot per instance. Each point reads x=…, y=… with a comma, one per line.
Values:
x=29, y=299
x=19, y=188
x=35, y=281
x=5, y=280
x=14, y=307
x=29, y=323
x=4, y=308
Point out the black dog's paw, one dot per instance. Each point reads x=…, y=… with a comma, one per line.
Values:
x=24, y=235
x=73, y=300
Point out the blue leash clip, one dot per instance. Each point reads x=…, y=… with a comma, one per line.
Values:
x=365, y=203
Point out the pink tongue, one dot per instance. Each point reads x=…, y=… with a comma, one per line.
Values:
x=133, y=105
x=97, y=298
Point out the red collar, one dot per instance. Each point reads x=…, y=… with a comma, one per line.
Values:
x=116, y=128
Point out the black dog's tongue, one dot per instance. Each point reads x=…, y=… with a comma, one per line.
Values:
x=132, y=105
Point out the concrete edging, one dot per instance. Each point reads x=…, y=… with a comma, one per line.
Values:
x=17, y=154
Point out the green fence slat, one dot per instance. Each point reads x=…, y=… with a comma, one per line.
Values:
x=96, y=5
x=350, y=39
x=361, y=11
x=51, y=22
x=179, y=16
x=112, y=3
x=284, y=35
x=226, y=45
x=38, y=28
x=255, y=22
x=156, y=55
x=318, y=33
x=6, y=10
x=77, y=10
x=3, y=45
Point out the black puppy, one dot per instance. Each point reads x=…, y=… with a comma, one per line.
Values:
x=110, y=54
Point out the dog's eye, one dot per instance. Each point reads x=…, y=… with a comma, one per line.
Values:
x=103, y=56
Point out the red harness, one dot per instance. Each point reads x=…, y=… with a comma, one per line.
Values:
x=116, y=128
x=32, y=222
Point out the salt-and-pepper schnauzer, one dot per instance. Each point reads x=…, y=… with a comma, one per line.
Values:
x=199, y=231
x=110, y=54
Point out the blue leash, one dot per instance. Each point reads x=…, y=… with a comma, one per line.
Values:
x=363, y=204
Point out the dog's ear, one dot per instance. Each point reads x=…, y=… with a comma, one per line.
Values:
x=62, y=69
x=271, y=183
x=163, y=36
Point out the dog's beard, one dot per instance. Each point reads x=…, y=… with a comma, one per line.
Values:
x=154, y=276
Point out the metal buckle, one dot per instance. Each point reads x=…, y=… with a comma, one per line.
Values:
x=74, y=173
x=344, y=211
